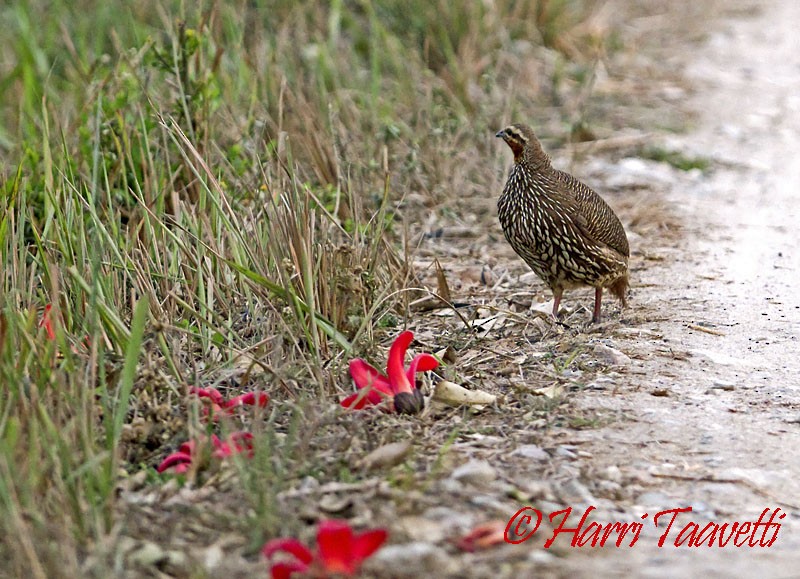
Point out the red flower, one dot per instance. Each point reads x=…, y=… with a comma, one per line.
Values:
x=217, y=404
x=483, y=536
x=339, y=551
x=180, y=461
x=47, y=323
x=399, y=384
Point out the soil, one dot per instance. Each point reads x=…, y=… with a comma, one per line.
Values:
x=705, y=412
x=708, y=408
x=686, y=398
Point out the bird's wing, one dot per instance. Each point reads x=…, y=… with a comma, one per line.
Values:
x=597, y=220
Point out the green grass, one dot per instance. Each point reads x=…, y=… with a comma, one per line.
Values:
x=676, y=159
x=216, y=189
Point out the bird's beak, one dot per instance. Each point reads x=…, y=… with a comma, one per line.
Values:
x=501, y=134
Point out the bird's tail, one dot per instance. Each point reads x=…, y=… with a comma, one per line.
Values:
x=620, y=287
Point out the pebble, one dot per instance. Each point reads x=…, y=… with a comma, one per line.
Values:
x=148, y=555
x=651, y=499
x=611, y=356
x=574, y=491
x=412, y=560
x=612, y=473
x=724, y=385
x=386, y=456
x=565, y=451
x=476, y=472
x=532, y=452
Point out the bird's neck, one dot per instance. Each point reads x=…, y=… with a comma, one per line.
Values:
x=535, y=158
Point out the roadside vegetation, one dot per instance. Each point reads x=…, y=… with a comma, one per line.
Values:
x=229, y=195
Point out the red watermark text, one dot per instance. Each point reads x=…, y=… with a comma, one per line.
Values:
x=580, y=532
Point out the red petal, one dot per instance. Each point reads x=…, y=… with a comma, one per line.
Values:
x=177, y=461
x=188, y=447
x=211, y=393
x=365, y=375
x=242, y=441
x=394, y=368
x=47, y=323
x=483, y=536
x=291, y=546
x=367, y=543
x=248, y=398
x=335, y=544
x=362, y=398
x=285, y=570
x=421, y=363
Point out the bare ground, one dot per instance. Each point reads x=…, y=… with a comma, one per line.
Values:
x=686, y=398
x=705, y=413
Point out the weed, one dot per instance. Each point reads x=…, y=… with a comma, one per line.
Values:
x=222, y=194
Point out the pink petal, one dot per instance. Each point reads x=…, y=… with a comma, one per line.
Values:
x=177, y=461
x=236, y=443
x=366, y=375
x=394, y=368
x=223, y=450
x=335, y=544
x=367, y=543
x=421, y=363
x=291, y=546
x=242, y=442
x=188, y=447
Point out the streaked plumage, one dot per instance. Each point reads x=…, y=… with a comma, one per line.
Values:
x=562, y=229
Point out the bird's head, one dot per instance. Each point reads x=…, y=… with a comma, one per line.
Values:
x=524, y=144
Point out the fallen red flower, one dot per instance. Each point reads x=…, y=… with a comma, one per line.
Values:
x=339, y=551
x=217, y=404
x=397, y=385
x=483, y=536
x=180, y=461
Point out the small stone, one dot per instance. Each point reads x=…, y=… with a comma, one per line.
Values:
x=386, y=456
x=531, y=452
x=653, y=499
x=724, y=385
x=412, y=560
x=476, y=472
x=612, y=473
x=454, y=520
x=432, y=531
x=575, y=492
x=137, y=481
x=610, y=356
x=212, y=557
x=176, y=563
x=565, y=451
x=148, y=555
x=333, y=504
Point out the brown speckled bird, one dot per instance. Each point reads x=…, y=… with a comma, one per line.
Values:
x=562, y=229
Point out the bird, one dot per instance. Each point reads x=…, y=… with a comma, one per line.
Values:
x=559, y=226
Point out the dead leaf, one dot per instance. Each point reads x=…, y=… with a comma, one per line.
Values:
x=386, y=456
x=443, y=290
x=554, y=391
x=455, y=395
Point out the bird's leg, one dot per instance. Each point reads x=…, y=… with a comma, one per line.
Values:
x=556, y=301
x=598, y=297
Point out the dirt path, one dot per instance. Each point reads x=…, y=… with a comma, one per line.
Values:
x=712, y=422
